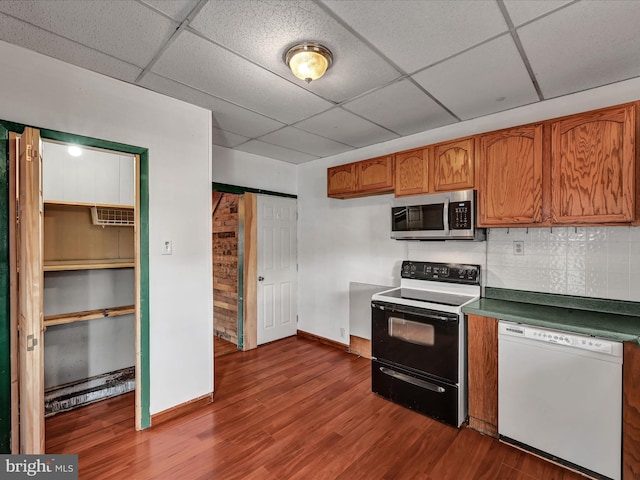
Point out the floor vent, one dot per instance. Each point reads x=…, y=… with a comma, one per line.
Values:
x=83, y=392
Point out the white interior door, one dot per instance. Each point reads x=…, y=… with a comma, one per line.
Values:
x=277, y=268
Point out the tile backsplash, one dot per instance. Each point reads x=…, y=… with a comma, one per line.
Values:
x=600, y=262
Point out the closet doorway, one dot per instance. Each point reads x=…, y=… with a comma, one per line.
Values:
x=80, y=243
x=254, y=267
x=89, y=275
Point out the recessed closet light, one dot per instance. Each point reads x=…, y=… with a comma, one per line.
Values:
x=74, y=151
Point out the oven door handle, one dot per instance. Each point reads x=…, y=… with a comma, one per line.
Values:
x=412, y=380
x=427, y=314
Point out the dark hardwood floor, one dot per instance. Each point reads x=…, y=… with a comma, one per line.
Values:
x=223, y=347
x=292, y=409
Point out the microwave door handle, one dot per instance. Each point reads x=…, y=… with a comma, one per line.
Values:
x=445, y=216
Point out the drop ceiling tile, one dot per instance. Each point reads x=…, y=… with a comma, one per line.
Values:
x=415, y=34
x=273, y=151
x=176, y=9
x=205, y=66
x=226, y=139
x=226, y=116
x=301, y=141
x=263, y=30
x=574, y=49
x=484, y=80
x=401, y=107
x=127, y=30
x=522, y=11
x=345, y=127
x=39, y=40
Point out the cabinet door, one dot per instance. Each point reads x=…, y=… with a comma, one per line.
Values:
x=453, y=165
x=341, y=180
x=482, y=351
x=631, y=412
x=593, y=166
x=412, y=174
x=375, y=175
x=511, y=177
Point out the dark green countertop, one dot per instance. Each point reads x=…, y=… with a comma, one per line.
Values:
x=612, y=319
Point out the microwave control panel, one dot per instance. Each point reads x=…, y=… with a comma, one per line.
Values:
x=460, y=216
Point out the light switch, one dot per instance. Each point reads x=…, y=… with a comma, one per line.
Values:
x=167, y=247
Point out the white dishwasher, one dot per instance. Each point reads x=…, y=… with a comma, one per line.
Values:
x=560, y=396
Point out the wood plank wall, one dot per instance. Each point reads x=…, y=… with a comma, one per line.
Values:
x=225, y=267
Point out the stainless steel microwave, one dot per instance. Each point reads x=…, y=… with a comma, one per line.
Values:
x=439, y=216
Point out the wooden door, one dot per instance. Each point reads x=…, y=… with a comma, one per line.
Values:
x=412, y=172
x=375, y=175
x=454, y=165
x=511, y=177
x=30, y=293
x=593, y=166
x=277, y=268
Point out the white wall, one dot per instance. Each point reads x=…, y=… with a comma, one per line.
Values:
x=39, y=91
x=342, y=241
x=248, y=170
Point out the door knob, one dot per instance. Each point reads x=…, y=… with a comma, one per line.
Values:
x=260, y=278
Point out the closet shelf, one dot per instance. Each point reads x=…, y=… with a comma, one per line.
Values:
x=89, y=205
x=64, y=318
x=64, y=265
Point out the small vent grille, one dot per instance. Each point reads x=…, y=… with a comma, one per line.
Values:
x=112, y=216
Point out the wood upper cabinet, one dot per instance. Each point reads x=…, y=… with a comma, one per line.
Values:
x=357, y=179
x=341, y=181
x=510, y=188
x=412, y=172
x=482, y=350
x=453, y=165
x=375, y=175
x=593, y=167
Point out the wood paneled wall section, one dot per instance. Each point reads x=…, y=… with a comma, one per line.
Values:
x=225, y=267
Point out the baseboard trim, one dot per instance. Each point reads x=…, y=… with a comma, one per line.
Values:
x=323, y=340
x=180, y=410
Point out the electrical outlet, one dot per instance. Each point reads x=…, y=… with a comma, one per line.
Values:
x=342, y=333
x=518, y=247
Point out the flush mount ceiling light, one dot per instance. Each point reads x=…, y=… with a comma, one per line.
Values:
x=308, y=61
x=74, y=151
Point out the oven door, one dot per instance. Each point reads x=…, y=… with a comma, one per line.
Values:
x=422, y=340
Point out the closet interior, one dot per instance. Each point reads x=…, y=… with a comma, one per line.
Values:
x=89, y=275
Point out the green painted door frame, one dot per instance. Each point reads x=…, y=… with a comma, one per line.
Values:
x=5, y=351
x=5, y=333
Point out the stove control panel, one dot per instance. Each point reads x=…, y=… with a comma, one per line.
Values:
x=442, y=272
